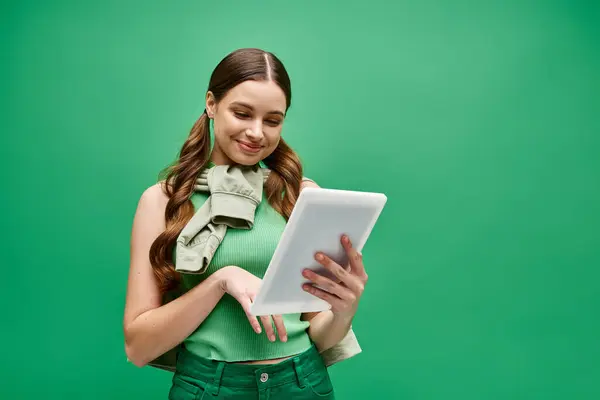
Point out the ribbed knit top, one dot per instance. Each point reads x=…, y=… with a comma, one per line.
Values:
x=226, y=334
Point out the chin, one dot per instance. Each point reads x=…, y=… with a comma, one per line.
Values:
x=244, y=159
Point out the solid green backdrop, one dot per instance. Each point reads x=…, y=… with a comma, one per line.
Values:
x=478, y=121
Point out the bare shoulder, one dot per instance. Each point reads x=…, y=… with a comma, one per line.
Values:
x=154, y=197
x=306, y=182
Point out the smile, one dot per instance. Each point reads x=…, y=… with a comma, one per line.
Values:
x=249, y=148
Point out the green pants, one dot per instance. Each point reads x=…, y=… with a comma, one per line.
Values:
x=303, y=376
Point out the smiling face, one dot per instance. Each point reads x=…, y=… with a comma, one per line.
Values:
x=247, y=122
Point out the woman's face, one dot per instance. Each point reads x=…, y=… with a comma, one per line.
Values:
x=247, y=122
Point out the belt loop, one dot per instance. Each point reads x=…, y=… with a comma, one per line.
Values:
x=298, y=371
x=217, y=379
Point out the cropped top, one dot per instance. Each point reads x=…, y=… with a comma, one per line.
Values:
x=226, y=334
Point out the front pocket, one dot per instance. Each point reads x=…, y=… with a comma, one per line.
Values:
x=320, y=384
x=183, y=390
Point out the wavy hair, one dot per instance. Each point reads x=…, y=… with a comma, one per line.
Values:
x=282, y=187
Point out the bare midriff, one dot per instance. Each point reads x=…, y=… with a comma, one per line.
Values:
x=271, y=361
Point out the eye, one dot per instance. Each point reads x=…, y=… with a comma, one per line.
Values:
x=240, y=114
x=272, y=122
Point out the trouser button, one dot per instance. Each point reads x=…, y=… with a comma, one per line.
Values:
x=264, y=377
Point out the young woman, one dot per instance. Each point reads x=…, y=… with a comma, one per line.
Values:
x=225, y=352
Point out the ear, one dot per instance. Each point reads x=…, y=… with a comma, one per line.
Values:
x=211, y=104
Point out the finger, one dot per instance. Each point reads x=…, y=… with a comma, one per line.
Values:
x=353, y=282
x=336, y=302
x=246, y=303
x=281, y=331
x=354, y=257
x=330, y=286
x=267, y=324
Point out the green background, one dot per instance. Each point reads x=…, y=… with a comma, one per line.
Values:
x=479, y=122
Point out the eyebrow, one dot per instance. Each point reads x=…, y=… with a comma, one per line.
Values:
x=239, y=103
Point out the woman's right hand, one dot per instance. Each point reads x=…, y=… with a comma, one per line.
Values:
x=243, y=286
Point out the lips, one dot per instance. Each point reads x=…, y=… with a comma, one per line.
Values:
x=252, y=148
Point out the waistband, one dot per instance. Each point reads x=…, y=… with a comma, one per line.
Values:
x=220, y=373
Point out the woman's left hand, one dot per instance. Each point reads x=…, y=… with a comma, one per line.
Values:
x=345, y=294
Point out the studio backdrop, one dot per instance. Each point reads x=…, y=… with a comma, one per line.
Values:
x=479, y=121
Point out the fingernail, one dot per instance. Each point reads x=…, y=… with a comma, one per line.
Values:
x=284, y=339
x=272, y=338
x=319, y=257
x=305, y=273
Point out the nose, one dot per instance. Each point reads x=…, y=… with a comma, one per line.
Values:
x=255, y=133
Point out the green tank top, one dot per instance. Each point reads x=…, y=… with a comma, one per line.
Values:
x=226, y=334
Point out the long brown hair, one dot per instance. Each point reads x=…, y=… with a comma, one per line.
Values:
x=281, y=188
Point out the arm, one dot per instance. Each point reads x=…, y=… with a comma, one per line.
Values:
x=151, y=329
x=327, y=328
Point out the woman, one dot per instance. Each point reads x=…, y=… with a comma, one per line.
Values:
x=225, y=352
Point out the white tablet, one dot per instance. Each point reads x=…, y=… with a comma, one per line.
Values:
x=317, y=222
